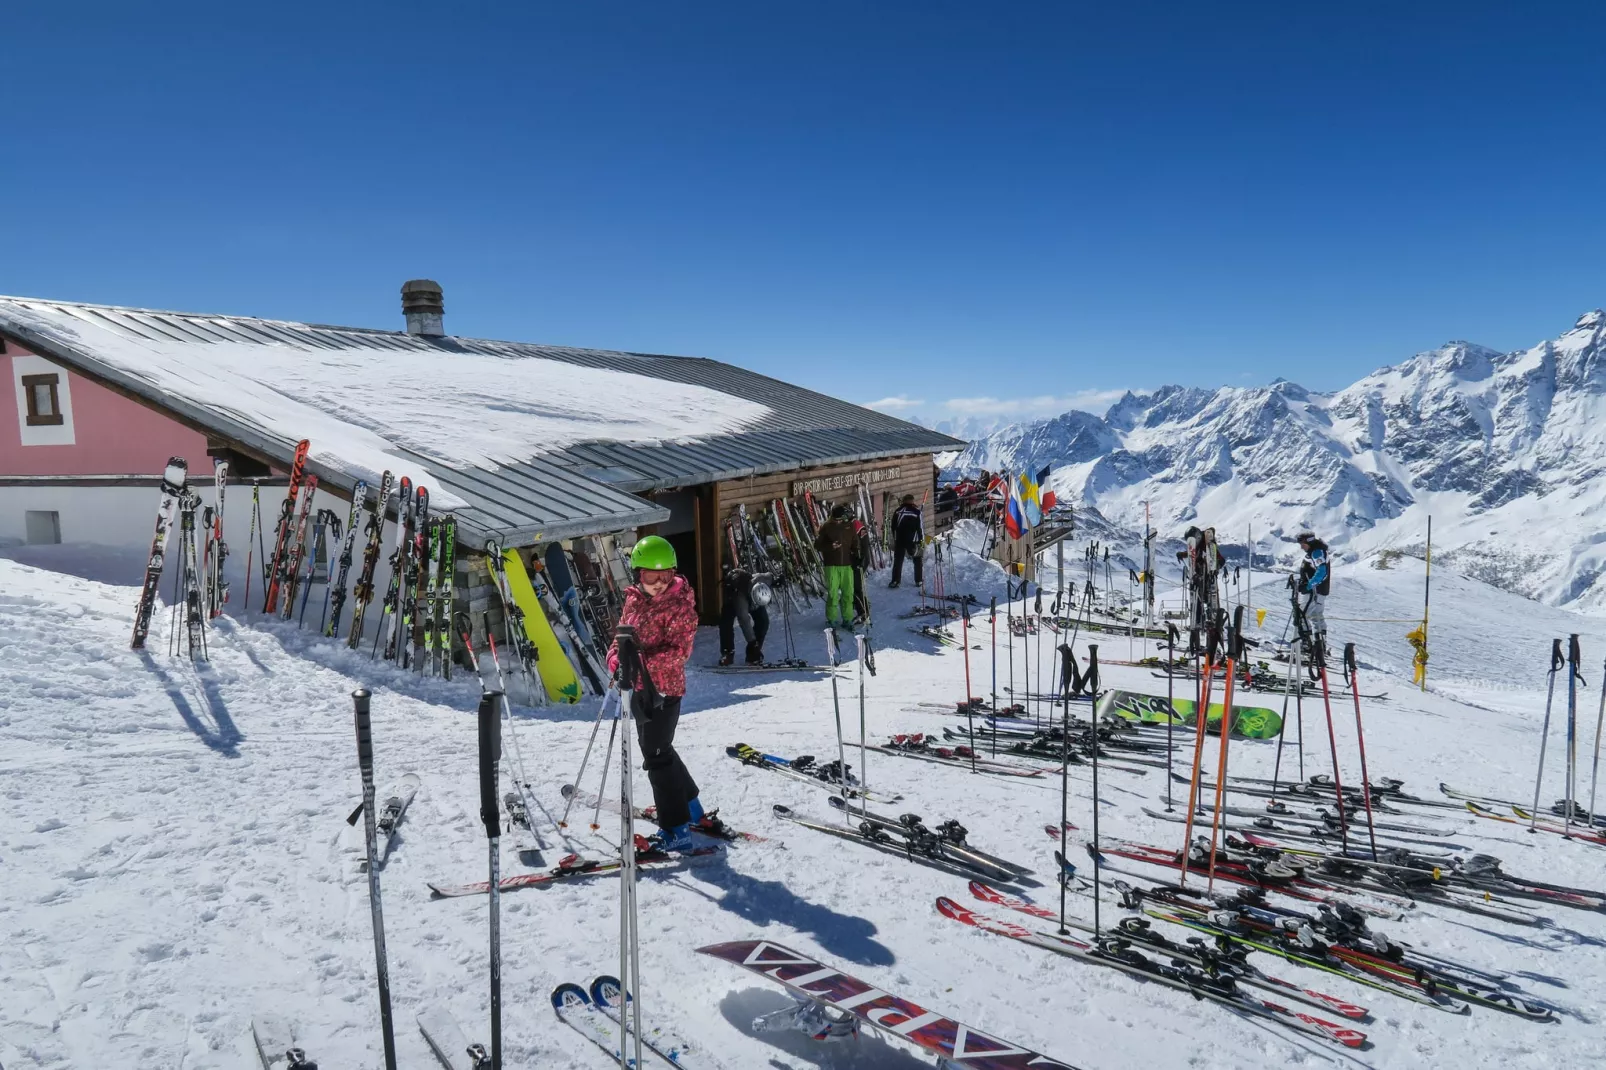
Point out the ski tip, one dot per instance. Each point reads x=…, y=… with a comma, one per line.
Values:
x=605, y=989
x=569, y=995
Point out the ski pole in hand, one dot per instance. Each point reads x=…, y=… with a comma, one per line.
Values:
x=1352, y=676
x=491, y=815
x=1557, y=660
x=365, y=760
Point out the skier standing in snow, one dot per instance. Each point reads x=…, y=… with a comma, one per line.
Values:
x=745, y=597
x=662, y=609
x=908, y=536
x=838, y=546
x=1315, y=581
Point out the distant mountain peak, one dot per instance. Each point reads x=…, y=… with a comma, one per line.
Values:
x=1507, y=451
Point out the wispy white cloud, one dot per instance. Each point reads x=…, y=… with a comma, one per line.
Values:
x=897, y=403
x=1035, y=407
x=968, y=416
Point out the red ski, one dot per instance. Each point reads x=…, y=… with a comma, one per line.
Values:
x=822, y=985
x=287, y=513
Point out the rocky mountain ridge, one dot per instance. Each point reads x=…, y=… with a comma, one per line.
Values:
x=1505, y=451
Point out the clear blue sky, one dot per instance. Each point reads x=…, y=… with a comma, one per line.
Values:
x=930, y=199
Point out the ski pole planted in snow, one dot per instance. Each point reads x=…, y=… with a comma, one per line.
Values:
x=491, y=815
x=1594, y=770
x=993, y=620
x=1067, y=674
x=1093, y=693
x=1574, y=677
x=970, y=705
x=836, y=703
x=365, y=760
x=1352, y=676
x=864, y=768
x=632, y=675
x=1557, y=660
x=1234, y=652
x=1170, y=704
x=1201, y=714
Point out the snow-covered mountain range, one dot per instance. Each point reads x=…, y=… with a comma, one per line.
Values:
x=1505, y=451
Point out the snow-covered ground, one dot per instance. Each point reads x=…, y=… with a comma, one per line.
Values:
x=175, y=858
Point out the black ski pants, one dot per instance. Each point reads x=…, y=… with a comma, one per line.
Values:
x=672, y=786
x=754, y=621
x=913, y=553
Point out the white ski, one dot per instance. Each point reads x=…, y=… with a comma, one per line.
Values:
x=396, y=797
x=276, y=1044
x=447, y=1041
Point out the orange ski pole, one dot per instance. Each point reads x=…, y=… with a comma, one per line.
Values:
x=1200, y=716
x=1234, y=642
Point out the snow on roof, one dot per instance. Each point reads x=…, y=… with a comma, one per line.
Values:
x=373, y=400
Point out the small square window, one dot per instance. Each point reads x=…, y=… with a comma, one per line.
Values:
x=43, y=528
x=44, y=404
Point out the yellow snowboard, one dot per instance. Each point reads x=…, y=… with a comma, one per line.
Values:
x=557, y=671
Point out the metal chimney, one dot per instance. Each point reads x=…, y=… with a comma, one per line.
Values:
x=425, y=308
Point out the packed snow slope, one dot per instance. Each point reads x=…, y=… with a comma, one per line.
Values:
x=176, y=859
x=1505, y=451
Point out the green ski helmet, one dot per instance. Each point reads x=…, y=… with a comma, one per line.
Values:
x=653, y=552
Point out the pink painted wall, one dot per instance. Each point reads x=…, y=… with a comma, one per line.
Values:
x=112, y=435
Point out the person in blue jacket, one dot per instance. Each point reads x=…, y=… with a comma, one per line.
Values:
x=1315, y=582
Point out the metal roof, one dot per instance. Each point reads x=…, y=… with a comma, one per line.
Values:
x=588, y=487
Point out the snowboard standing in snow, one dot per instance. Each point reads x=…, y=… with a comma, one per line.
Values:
x=828, y=995
x=173, y=480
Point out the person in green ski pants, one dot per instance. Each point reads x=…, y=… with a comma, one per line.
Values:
x=837, y=545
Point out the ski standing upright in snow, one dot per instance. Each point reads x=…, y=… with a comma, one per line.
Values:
x=363, y=592
x=174, y=478
x=337, y=588
x=274, y=577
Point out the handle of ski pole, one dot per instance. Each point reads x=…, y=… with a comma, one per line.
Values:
x=1349, y=660
x=629, y=660
x=1557, y=660
x=1575, y=657
x=490, y=752
x=365, y=736
x=1092, y=676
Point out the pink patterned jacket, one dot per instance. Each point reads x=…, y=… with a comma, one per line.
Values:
x=666, y=627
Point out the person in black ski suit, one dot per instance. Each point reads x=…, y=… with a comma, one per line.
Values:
x=908, y=534
x=741, y=607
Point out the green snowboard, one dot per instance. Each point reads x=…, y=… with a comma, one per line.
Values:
x=1249, y=722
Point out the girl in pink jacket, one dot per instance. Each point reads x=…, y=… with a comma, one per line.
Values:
x=662, y=608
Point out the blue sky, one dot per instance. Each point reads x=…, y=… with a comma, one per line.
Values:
x=990, y=208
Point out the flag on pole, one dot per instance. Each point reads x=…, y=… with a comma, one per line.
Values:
x=1046, y=497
